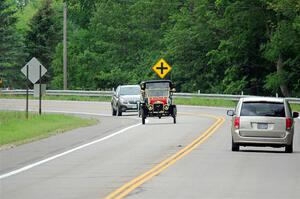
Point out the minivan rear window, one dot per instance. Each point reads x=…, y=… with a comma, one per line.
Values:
x=270, y=109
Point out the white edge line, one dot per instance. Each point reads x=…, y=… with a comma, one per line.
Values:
x=25, y=168
x=78, y=113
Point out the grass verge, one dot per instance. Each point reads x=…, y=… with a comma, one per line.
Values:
x=16, y=129
x=205, y=102
x=217, y=103
x=295, y=107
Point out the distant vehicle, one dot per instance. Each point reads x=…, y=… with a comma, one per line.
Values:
x=157, y=99
x=261, y=121
x=125, y=98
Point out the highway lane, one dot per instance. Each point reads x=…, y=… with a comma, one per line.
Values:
x=97, y=170
x=210, y=171
x=214, y=171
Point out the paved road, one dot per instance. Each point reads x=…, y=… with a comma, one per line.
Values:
x=94, y=171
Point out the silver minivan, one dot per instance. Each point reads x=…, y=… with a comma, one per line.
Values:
x=262, y=121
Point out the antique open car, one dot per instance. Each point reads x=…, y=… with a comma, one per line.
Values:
x=157, y=99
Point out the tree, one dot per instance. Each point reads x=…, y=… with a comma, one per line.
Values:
x=81, y=11
x=43, y=36
x=118, y=45
x=214, y=46
x=283, y=46
x=187, y=42
x=11, y=48
x=239, y=49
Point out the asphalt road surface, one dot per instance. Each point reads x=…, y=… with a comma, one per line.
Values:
x=94, y=162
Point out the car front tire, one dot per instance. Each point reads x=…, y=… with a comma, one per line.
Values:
x=114, y=112
x=119, y=111
x=139, y=110
x=143, y=114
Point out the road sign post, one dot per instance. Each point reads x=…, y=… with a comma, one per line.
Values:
x=162, y=68
x=27, y=91
x=34, y=71
x=40, y=96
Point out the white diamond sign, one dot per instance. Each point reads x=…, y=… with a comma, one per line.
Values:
x=34, y=70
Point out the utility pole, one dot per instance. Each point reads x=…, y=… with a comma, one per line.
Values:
x=65, y=47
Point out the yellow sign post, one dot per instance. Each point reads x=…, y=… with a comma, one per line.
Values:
x=161, y=68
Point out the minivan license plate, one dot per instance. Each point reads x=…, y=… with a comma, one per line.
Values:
x=132, y=106
x=262, y=126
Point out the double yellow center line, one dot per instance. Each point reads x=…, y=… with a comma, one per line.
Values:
x=136, y=182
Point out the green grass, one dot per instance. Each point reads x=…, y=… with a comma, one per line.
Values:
x=216, y=102
x=295, y=107
x=205, y=102
x=16, y=129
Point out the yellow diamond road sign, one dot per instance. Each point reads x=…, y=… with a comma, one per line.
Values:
x=161, y=68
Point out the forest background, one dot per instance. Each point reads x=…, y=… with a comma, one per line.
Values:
x=215, y=46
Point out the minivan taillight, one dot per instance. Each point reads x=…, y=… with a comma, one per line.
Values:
x=237, y=122
x=288, y=123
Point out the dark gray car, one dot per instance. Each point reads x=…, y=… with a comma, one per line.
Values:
x=125, y=98
x=261, y=121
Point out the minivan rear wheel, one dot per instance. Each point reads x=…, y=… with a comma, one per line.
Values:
x=235, y=146
x=289, y=148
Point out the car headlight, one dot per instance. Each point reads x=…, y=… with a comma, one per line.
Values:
x=123, y=101
x=166, y=107
x=150, y=107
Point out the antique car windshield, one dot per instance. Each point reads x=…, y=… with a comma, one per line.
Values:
x=157, y=92
x=132, y=90
x=158, y=85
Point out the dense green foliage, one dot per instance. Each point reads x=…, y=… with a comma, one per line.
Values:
x=216, y=46
x=43, y=35
x=11, y=49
